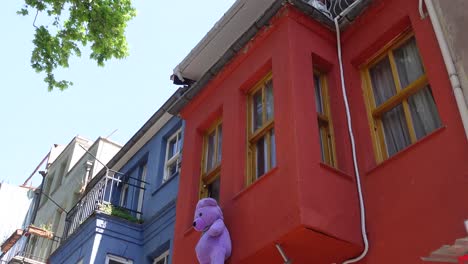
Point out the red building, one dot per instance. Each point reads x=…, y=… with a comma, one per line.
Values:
x=266, y=134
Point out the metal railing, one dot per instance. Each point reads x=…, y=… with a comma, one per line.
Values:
x=106, y=193
x=25, y=257
x=330, y=8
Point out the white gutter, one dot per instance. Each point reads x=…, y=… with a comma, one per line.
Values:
x=452, y=72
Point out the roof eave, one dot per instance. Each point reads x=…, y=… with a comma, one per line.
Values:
x=263, y=20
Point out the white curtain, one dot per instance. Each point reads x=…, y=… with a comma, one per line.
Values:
x=395, y=130
x=424, y=112
x=424, y=115
x=394, y=123
x=423, y=109
x=382, y=81
x=408, y=63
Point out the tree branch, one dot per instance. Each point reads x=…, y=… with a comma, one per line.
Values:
x=34, y=22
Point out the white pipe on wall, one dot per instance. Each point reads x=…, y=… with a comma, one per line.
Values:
x=454, y=80
x=351, y=135
x=449, y=64
x=353, y=147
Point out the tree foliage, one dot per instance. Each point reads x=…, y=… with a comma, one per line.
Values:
x=72, y=25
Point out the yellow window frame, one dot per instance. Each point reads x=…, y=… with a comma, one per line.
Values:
x=325, y=122
x=263, y=131
x=401, y=97
x=209, y=176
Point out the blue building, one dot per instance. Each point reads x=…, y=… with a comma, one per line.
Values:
x=127, y=212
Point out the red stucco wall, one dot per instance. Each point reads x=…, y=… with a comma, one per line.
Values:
x=415, y=200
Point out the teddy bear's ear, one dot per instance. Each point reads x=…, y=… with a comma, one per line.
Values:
x=206, y=202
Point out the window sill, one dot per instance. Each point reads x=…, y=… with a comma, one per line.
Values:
x=337, y=171
x=403, y=152
x=164, y=184
x=266, y=175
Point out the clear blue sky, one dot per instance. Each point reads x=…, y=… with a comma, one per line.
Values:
x=122, y=95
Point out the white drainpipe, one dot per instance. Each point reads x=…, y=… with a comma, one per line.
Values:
x=454, y=80
x=452, y=72
x=351, y=136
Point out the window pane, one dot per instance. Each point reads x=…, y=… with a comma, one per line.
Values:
x=214, y=188
x=330, y=159
x=424, y=112
x=220, y=143
x=322, y=150
x=179, y=139
x=318, y=94
x=260, y=158
x=382, y=81
x=172, y=169
x=172, y=148
x=395, y=130
x=408, y=63
x=273, y=149
x=210, y=151
x=269, y=100
x=257, y=110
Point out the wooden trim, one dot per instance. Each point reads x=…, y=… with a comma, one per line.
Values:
x=397, y=42
x=393, y=67
x=208, y=179
x=209, y=176
x=260, y=84
x=409, y=121
x=213, y=128
x=401, y=97
x=325, y=94
x=369, y=102
x=263, y=131
x=324, y=121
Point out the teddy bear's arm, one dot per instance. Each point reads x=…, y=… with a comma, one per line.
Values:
x=216, y=228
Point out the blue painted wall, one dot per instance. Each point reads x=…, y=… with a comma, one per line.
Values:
x=98, y=236
x=101, y=234
x=159, y=198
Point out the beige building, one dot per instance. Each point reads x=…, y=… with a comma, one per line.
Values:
x=66, y=178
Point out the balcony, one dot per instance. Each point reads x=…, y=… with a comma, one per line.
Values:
x=331, y=8
x=23, y=257
x=115, y=194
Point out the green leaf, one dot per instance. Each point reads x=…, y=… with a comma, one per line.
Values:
x=22, y=12
x=99, y=23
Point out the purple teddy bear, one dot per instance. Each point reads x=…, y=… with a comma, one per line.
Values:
x=214, y=246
